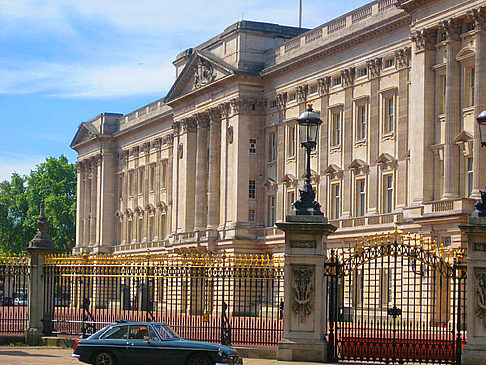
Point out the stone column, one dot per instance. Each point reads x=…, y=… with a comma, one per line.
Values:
x=479, y=154
x=452, y=29
x=93, y=196
x=422, y=115
x=475, y=351
x=38, y=323
x=86, y=202
x=214, y=169
x=201, y=172
x=305, y=324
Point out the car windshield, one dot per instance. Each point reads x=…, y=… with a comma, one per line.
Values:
x=165, y=332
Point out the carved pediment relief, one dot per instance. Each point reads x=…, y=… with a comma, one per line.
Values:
x=465, y=142
x=334, y=172
x=270, y=184
x=289, y=180
x=359, y=167
x=202, y=70
x=386, y=161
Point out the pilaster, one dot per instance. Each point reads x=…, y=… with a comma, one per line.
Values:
x=201, y=198
x=214, y=169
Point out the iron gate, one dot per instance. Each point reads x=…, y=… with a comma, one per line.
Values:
x=396, y=298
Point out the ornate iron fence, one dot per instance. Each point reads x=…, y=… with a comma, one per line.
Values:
x=14, y=275
x=214, y=298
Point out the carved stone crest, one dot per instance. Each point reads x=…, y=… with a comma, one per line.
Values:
x=229, y=134
x=180, y=151
x=302, y=290
x=204, y=73
x=481, y=294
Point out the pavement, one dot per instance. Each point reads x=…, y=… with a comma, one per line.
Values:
x=56, y=356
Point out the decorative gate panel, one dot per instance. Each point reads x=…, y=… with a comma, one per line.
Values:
x=396, y=298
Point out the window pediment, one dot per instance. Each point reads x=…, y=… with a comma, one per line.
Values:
x=289, y=180
x=270, y=184
x=359, y=167
x=314, y=177
x=465, y=142
x=386, y=161
x=465, y=53
x=334, y=172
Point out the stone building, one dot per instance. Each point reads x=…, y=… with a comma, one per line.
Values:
x=215, y=163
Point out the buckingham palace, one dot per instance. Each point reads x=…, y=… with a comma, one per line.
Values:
x=216, y=163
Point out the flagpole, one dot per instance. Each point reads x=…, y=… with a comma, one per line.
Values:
x=300, y=13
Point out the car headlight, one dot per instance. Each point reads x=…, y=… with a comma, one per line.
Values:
x=220, y=352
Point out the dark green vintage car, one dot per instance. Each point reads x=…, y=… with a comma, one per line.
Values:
x=149, y=343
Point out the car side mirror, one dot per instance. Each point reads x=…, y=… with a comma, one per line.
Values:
x=146, y=339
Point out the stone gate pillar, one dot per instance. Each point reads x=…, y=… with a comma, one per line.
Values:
x=39, y=247
x=475, y=351
x=305, y=291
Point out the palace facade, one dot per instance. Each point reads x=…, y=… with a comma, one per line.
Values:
x=215, y=163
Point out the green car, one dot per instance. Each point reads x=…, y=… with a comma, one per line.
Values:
x=149, y=343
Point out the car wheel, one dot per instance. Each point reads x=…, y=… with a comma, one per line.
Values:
x=199, y=360
x=104, y=358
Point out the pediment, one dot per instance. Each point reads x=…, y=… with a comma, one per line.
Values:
x=358, y=164
x=314, y=176
x=464, y=53
x=334, y=172
x=386, y=160
x=289, y=180
x=270, y=184
x=202, y=70
x=85, y=133
x=463, y=137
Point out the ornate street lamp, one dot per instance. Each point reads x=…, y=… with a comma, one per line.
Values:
x=309, y=122
x=480, y=206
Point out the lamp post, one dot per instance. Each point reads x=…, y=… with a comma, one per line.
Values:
x=480, y=206
x=309, y=122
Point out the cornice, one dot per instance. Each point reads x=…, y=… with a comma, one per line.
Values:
x=410, y=5
x=356, y=38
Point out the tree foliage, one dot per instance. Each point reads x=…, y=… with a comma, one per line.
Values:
x=54, y=182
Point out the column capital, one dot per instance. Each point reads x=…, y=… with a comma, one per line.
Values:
x=403, y=57
x=201, y=119
x=214, y=115
x=348, y=75
x=479, y=17
x=374, y=67
x=188, y=124
x=248, y=105
x=281, y=100
x=424, y=39
x=301, y=93
x=452, y=29
x=324, y=84
x=224, y=109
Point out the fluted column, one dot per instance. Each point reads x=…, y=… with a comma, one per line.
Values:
x=214, y=168
x=479, y=154
x=201, y=196
x=79, y=206
x=452, y=29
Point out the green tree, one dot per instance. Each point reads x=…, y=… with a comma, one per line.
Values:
x=54, y=182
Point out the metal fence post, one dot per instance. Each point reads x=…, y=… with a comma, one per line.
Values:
x=40, y=246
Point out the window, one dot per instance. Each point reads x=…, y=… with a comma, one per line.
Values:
x=120, y=186
x=335, y=201
x=131, y=183
x=162, y=226
x=140, y=180
x=251, y=215
x=336, y=128
x=442, y=94
x=390, y=62
x=313, y=89
x=388, y=193
x=271, y=210
x=389, y=114
x=115, y=333
x=362, y=71
x=272, y=147
x=292, y=96
x=362, y=120
x=358, y=288
x=290, y=201
x=291, y=142
x=470, y=86
x=360, y=197
x=336, y=81
x=386, y=287
x=141, y=332
x=163, y=177
x=469, y=175
x=273, y=103
x=252, y=189
x=253, y=149
x=152, y=177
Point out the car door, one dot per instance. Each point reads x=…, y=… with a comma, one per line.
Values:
x=115, y=340
x=143, y=346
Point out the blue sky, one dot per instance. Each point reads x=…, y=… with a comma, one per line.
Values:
x=63, y=62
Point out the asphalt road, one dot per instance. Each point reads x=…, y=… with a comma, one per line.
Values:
x=56, y=356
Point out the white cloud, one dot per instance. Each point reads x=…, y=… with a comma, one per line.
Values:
x=21, y=164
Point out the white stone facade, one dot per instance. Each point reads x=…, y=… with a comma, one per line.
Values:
x=217, y=162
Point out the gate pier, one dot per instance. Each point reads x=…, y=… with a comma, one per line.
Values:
x=305, y=306
x=475, y=351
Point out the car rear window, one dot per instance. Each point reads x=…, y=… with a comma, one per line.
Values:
x=116, y=333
